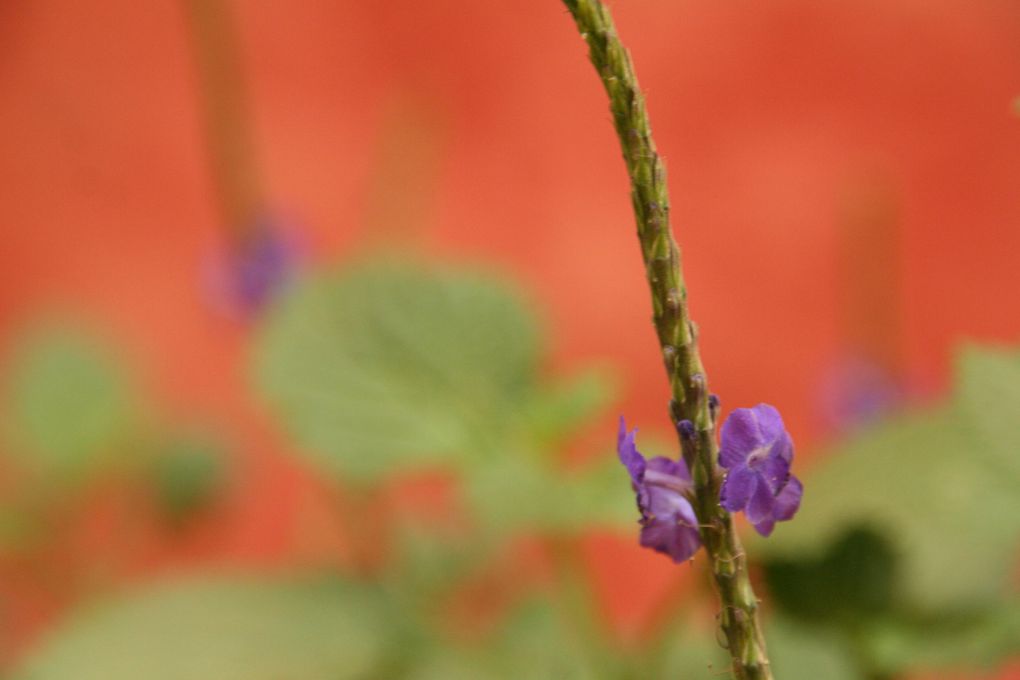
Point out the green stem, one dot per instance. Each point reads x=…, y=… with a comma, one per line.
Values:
x=224, y=103
x=577, y=600
x=677, y=337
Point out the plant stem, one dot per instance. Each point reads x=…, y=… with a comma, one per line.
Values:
x=677, y=337
x=224, y=102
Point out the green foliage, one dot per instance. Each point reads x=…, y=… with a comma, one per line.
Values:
x=927, y=517
x=940, y=485
x=454, y=664
x=393, y=365
x=384, y=366
x=563, y=407
x=539, y=644
x=988, y=397
x=855, y=580
x=807, y=653
x=535, y=642
x=899, y=557
x=188, y=475
x=227, y=630
x=946, y=639
x=514, y=493
x=69, y=402
x=687, y=649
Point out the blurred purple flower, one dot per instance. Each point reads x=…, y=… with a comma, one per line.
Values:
x=857, y=392
x=668, y=523
x=245, y=277
x=757, y=452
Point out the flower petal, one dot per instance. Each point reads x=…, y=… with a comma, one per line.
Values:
x=740, y=483
x=770, y=423
x=765, y=527
x=759, y=508
x=667, y=466
x=626, y=449
x=664, y=502
x=788, y=500
x=739, y=436
x=775, y=470
x=678, y=540
x=782, y=448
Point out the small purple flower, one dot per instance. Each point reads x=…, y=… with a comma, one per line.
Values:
x=757, y=452
x=246, y=276
x=857, y=392
x=668, y=523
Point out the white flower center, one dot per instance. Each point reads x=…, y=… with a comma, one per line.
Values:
x=758, y=455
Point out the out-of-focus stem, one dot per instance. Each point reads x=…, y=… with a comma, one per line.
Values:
x=577, y=598
x=677, y=337
x=225, y=115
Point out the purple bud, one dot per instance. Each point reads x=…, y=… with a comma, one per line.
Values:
x=687, y=430
x=244, y=277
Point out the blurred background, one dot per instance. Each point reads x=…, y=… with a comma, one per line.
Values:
x=316, y=320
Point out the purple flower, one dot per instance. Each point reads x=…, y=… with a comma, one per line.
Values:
x=668, y=523
x=757, y=452
x=247, y=275
x=857, y=391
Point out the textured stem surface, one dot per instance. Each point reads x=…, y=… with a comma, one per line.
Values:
x=738, y=617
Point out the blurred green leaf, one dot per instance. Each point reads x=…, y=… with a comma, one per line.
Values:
x=510, y=493
x=951, y=518
x=929, y=501
x=598, y=495
x=456, y=664
x=388, y=365
x=538, y=644
x=188, y=476
x=807, y=653
x=534, y=642
x=429, y=564
x=243, y=630
x=524, y=490
x=70, y=402
x=560, y=409
x=988, y=397
x=855, y=581
x=947, y=639
x=689, y=650
x=940, y=485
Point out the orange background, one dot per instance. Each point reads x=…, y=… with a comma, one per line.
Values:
x=477, y=131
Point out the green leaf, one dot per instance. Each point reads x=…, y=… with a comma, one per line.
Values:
x=240, y=630
x=538, y=644
x=534, y=642
x=389, y=365
x=926, y=483
x=522, y=492
x=188, y=476
x=70, y=402
x=558, y=410
x=988, y=397
x=939, y=488
x=686, y=649
x=803, y=653
x=429, y=563
x=962, y=640
x=855, y=581
x=456, y=664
